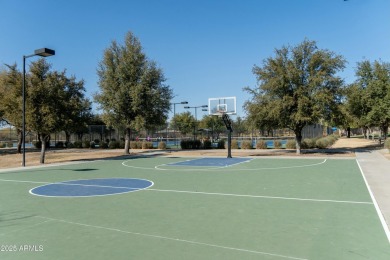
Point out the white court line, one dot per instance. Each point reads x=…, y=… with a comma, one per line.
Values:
x=191, y=192
x=263, y=197
x=37, y=182
x=197, y=168
x=224, y=168
x=378, y=211
x=173, y=239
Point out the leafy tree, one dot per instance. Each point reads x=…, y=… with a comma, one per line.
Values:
x=369, y=97
x=11, y=99
x=132, y=91
x=259, y=115
x=184, y=122
x=75, y=108
x=214, y=123
x=239, y=126
x=297, y=87
x=45, y=102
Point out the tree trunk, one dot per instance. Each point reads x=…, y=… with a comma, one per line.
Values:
x=19, y=149
x=385, y=131
x=127, y=141
x=67, y=138
x=348, y=132
x=298, y=140
x=45, y=138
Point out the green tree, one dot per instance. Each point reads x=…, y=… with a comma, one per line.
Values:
x=75, y=110
x=184, y=122
x=43, y=102
x=369, y=97
x=11, y=99
x=297, y=87
x=132, y=91
x=239, y=126
x=213, y=123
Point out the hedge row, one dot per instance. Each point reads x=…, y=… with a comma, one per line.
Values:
x=387, y=144
x=311, y=143
x=197, y=144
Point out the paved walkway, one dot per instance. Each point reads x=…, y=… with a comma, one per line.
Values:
x=376, y=169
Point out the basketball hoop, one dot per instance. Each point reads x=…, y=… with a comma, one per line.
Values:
x=220, y=113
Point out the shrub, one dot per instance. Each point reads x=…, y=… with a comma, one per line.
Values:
x=221, y=144
x=86, y=144
x=206, y=144
x=309, y=143
x=387, y=144
x=326, y=142
x=135, y=145
x=37, y=144
x=190, y=144
x=261, y=144
x=78, y=144
x=69, y=145
x=184, y=144
x=104, y=145
x=122, y=145
x=59, y=144
x=277, y=144
x=147, y=145
x=291, y=144
x=92, y=145
x=162, y=145
x=246, y=144
x=234, y=144
x=113, y=144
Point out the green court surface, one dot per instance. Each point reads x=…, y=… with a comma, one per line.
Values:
x=263, y=208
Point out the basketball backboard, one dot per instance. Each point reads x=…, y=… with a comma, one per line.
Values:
x=222, y=105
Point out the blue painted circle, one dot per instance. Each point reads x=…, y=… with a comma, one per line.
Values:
x=91, y=187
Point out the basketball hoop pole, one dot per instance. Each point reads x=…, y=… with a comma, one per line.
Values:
x=223, y=107
x=229, y=144
x=229, y=127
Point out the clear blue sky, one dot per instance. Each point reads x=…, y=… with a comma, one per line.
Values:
x=207, y=48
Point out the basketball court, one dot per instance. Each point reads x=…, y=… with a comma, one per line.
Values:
x=191, y=208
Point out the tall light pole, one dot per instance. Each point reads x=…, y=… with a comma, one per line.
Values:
x=44, y=52
x=174, y=113
x=196, y=116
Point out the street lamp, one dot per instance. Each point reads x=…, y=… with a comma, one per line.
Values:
x=196, y=116
x=44, y=52
x=174, y=113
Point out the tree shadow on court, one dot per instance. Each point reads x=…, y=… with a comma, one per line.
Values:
x=11, y=218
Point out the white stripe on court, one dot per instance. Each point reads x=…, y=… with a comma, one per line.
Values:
x=261, y=196
x=218, y=168
x=198, y=192
x=173, y=239
x=378, y=211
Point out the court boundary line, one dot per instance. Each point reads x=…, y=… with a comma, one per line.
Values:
x=201, y=168
x=178, y=191
x=376, y=205
x=172, y=239
x=225, y=168
x=262, y=196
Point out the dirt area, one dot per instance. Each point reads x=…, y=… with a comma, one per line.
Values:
x=342, y=148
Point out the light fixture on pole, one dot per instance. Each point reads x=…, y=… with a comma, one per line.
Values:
x=44, y=52
x=196, y=116
x=174, y=113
